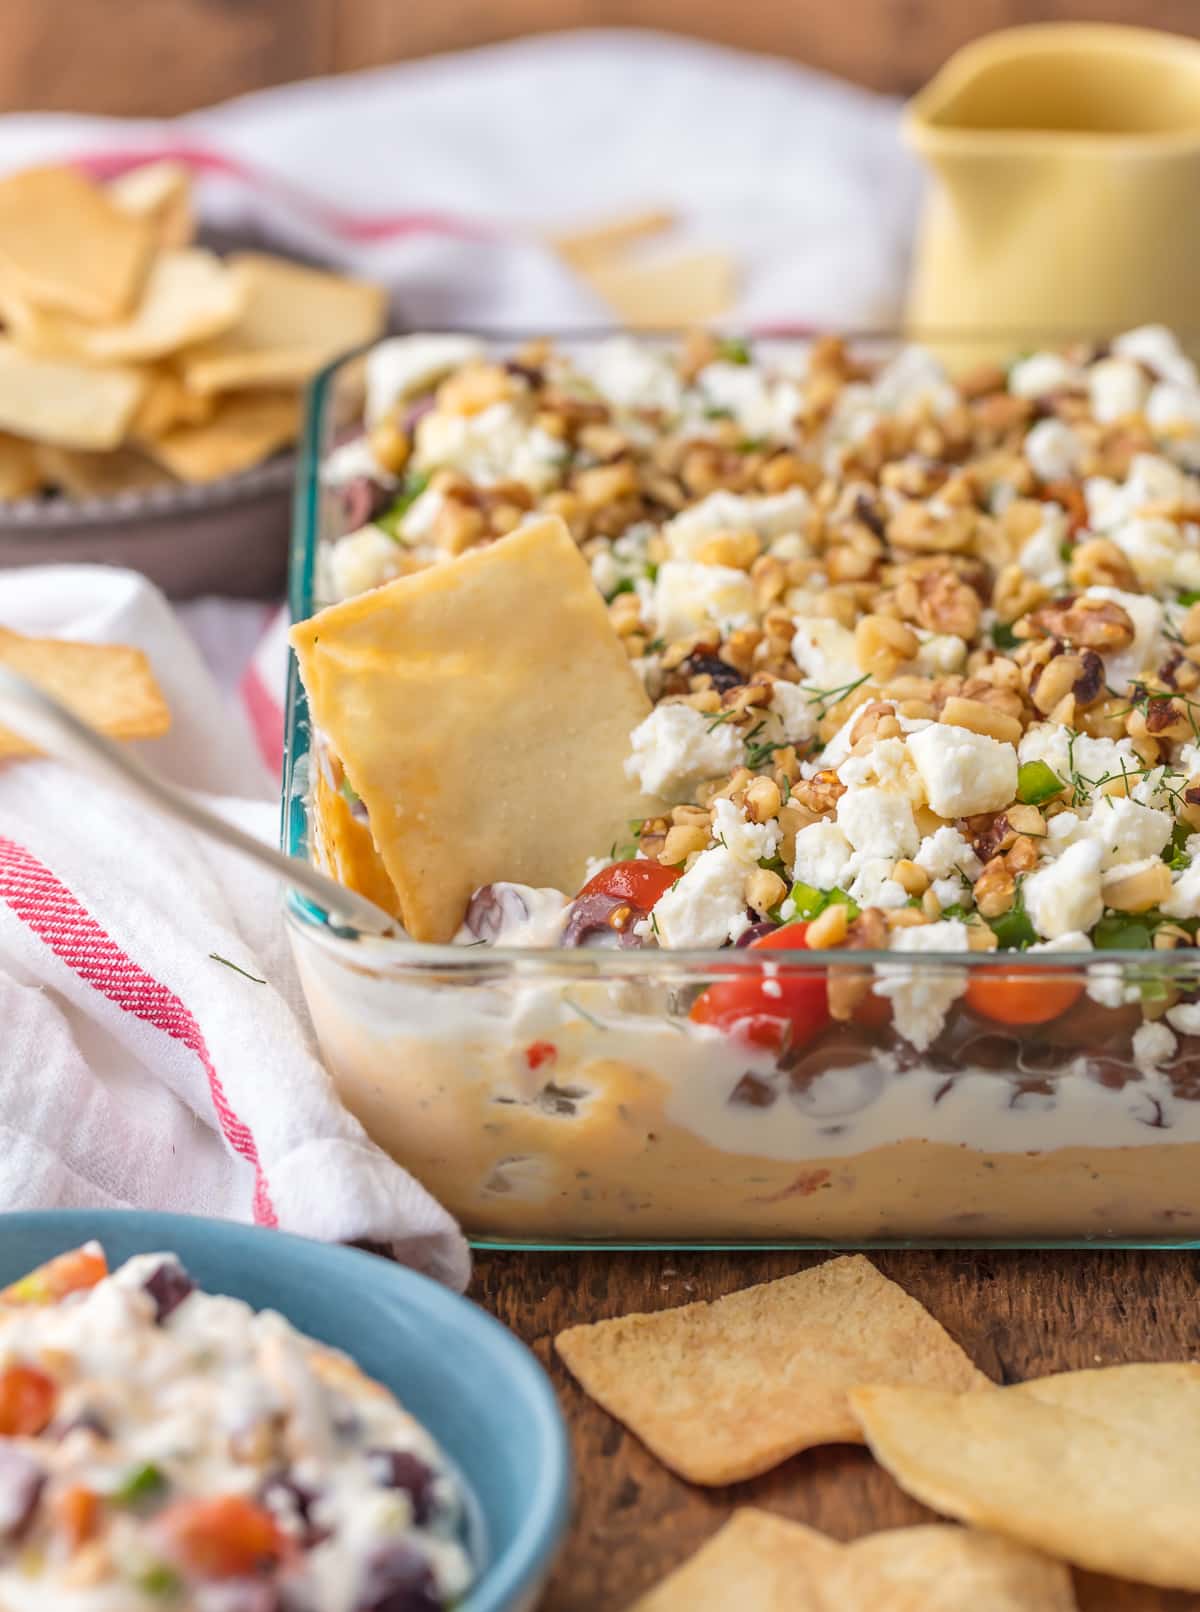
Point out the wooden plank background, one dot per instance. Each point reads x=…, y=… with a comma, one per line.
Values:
x=157, y=57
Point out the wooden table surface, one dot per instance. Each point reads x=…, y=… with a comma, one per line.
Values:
x=1017, y=1314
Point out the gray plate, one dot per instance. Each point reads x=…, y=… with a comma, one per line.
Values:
x=228, y=536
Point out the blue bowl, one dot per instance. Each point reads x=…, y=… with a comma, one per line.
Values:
x=477, y=1389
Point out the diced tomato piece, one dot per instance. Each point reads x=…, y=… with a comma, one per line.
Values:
x=769, y=1010
x=225, y=1537
x=76, y=1512
x=1033, y=997
x=539, y=1052
x=68, y=1273
x=28, y=1400
x=640, y=882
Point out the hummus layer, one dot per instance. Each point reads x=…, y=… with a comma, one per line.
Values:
x=525, y=1137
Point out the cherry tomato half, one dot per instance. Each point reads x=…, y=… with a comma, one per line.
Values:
x=28, y=1400
x=1022, y=998
x=640, y=883
x=768, y=1011
x=226, y=1536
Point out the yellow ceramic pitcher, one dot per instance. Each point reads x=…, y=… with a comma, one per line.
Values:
x=1065, y=183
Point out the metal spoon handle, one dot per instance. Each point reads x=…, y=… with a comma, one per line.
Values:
x=47, y=723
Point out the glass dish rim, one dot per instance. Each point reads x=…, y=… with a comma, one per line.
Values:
x=399, y=953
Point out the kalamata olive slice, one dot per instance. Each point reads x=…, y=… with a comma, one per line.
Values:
x=589, y=922
x=416, y=412
x=283, y=1495
x=494, y=908
x=400, y=1469
x=363, y=499
x=21, y=1483
x=752, y=1091
x=89, y=1421
x=169, y=1285
x=724, y=676
x=755, y=932
x=398, y=1579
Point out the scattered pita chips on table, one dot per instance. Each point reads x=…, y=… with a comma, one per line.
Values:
x=940, y=1568
x=65, y=246
x=110, y=686
x=482, y=712
x=162, y=193
x=1099, y=1468
x=73, y=405
x=759, y=1562
x=294, y=320
x=725, y=1390
x=756, y=1563
x=244, y=429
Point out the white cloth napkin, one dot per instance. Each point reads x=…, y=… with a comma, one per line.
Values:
x=138, y=1066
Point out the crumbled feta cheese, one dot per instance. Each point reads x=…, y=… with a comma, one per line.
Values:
x=1042, y=373
x=878, y=822
x=707, y=906
x=945, y=852
x=762, y=407
x=1041, y=553
x=1126, y=831
x=770, y=517
x=912, y=382
x=676, y=748
x=963, y=772
x=1091, y=758
x=941, y=654
x=1073, y=941
x=1185, y=1018
x=748, y=841
x=1064, y=894
x=405, y=365
x=1116, y=388
x=871, y=883
x=1108, y=987
x=633, y=374
x=1052, y=450
x=921, y=997
x=888, y=764
x=1184, y=900
x=953, y=892
x=416, y=524
x=353, y=460
x=361, y=560
x=1159, y=552
x=1153, y=484
x=1173, y=406
x=1153, y=1044
x=1146, y=613
x=688, y=597
x=497, y=444
x=822, y=855
x=1156, y=347
x=824, y=651
x=623, y=560
x=795, y=711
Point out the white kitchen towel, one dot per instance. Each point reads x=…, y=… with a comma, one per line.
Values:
x=441, y=176
x=154, y=1051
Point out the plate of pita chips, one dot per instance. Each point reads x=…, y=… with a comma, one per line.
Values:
x=151, y=389
x=1089, y=1470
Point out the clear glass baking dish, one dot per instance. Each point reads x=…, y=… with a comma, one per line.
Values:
x=564, y=1098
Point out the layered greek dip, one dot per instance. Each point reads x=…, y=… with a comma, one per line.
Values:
x=921, y=652
x=165, y=1448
